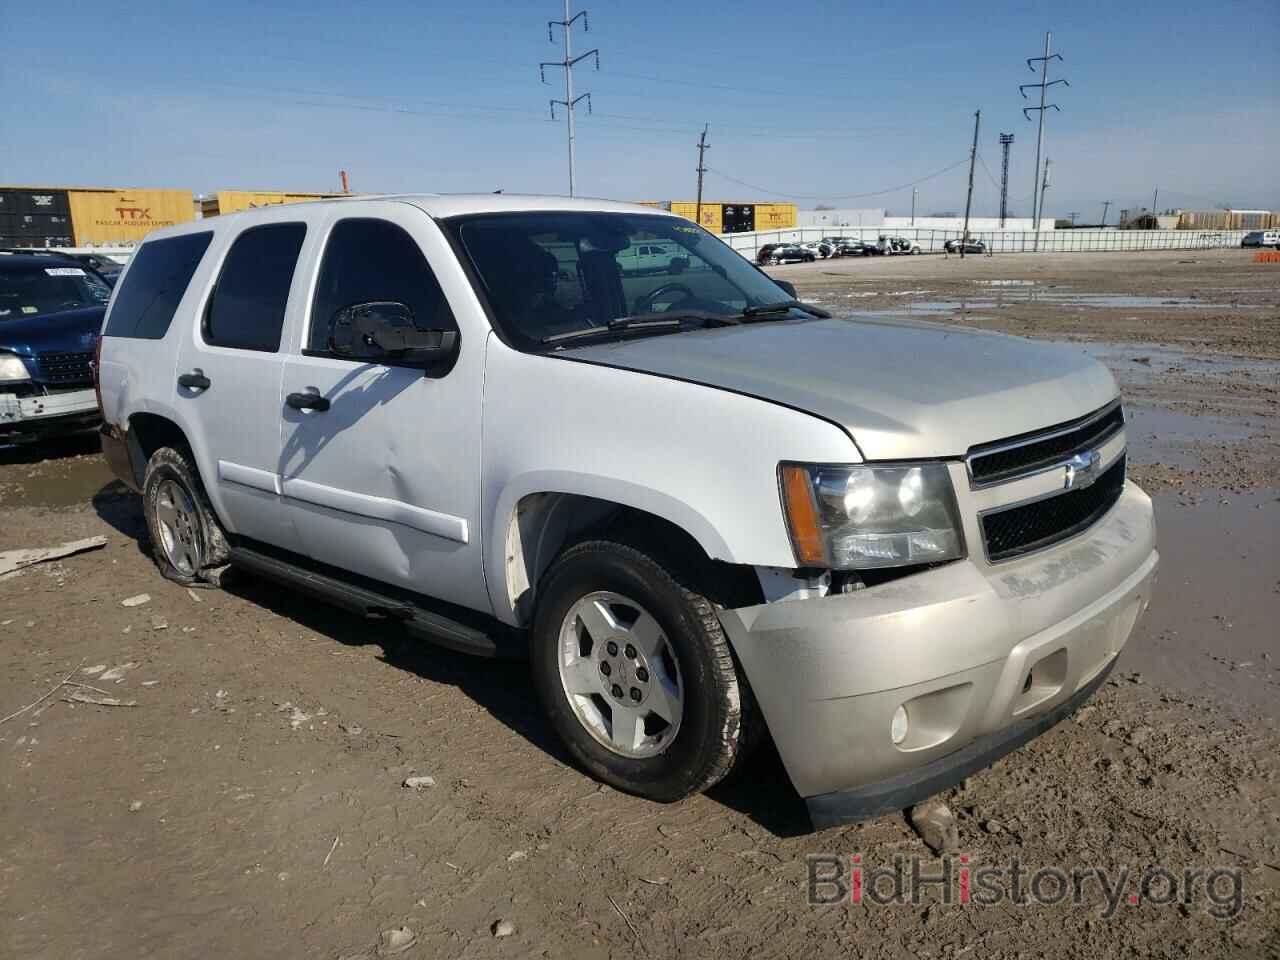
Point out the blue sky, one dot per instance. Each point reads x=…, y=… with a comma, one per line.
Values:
x=812, y=102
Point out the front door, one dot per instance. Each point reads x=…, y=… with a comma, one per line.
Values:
x=382, y=473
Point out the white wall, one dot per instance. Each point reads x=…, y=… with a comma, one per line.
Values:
x=1009, y=241
x=957, y=223
x=850, y=217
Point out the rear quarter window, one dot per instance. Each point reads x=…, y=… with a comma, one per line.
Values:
x=153, y=286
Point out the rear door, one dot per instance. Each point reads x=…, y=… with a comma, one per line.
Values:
x=227, y=381
x=383, y=477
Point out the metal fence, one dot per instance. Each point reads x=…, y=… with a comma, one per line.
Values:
x=1005, y=241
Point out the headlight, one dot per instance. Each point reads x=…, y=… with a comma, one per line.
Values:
x=12, y=368
x=855, y=517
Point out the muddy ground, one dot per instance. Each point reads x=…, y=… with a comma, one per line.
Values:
x=251, y=802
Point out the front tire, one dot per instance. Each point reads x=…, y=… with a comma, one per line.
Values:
x=186, y=539
x=636, y=674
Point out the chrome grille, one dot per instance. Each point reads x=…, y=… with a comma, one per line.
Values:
x=1031, y=453
x=1018, y=529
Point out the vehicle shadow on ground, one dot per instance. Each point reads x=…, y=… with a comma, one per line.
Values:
x=760, y=791
x=121, y=509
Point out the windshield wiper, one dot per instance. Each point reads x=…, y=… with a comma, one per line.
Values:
x=776, y=311
x=666, y=321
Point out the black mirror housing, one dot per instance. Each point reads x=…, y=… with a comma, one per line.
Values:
x=788, y=287
x=384, y=331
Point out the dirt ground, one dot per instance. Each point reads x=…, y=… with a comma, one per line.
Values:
x=251, y=802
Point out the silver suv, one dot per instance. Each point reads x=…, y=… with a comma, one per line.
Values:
x=706, y=511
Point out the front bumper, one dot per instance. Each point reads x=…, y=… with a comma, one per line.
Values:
x=63, y=411
x=974, y=652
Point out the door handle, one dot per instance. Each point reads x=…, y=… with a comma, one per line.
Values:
x=194, y=381
x=307, y=401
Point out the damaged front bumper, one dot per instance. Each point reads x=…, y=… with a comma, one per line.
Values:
x=981, y=658
x=45, y=414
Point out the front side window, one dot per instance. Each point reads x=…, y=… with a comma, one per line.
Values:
x=548, y=274
x=246, y=311
x=29, y=291
x=374, y=261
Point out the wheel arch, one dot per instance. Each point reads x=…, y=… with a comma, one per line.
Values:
x=534, y=526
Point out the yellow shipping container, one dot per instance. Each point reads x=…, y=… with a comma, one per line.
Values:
x=125, y=216
x=775, y=216
x=229, y=201
x=712, y=214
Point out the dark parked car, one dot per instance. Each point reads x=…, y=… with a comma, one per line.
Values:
x=970, y=246
x=784, y=253
x=51, y=310
x=855, y=248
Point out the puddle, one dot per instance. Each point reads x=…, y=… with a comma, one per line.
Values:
x=59, y=473
x=1211, y=627
x=1014, y=293
x=1141, y=363
x=1159, y=435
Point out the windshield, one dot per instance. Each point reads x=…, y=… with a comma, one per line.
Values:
x=554, y=273
x=29, y=291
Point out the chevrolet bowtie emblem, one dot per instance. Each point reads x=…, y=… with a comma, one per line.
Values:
x=1081, y=470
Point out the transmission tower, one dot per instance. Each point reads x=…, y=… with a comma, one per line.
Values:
x=1006, y=139
x=1044, y=85
x=1106, y=205
x=567, y=64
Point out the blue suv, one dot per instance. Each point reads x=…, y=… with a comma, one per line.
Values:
x=51, y=309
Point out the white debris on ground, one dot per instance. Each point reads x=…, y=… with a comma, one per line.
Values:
x=136, y=601
x=13, y=560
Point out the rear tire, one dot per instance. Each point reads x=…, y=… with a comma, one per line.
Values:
x=187, y=542
x=592, y=608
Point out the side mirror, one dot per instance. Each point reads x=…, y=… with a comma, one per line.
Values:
x=788, y=287
x=384, y=330
x=678, y=265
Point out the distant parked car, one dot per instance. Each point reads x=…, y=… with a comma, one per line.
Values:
x=51, y=310
x=854, y=248
x=903, y=245
x=970, y=246
x=1262, y=238
x=784, y=253
x=821, y=248
x=646, y=258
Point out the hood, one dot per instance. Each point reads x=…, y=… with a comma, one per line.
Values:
x=902, y=389
x=72, y=331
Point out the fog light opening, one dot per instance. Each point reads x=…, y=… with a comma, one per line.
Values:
x=898, y=725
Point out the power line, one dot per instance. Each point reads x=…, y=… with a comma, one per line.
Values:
x=570, y=102
x=842, y=196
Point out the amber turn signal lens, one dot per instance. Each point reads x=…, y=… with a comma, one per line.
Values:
x=802, y=517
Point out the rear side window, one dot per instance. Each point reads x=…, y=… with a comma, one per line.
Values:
x=154, y=284
x=246, y=311
x=370, y=260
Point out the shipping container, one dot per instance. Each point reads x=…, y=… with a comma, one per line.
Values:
x=712, y=214
x=739, y=216
x=125, y=216
x=775, y=216
x=34, y=200
x=231, y=201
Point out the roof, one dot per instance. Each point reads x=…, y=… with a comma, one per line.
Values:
x=34, y=258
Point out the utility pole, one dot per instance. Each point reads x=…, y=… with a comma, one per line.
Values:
x=1006, y=139
x=703, y=147
x=1106, y=205
x=968, y=201
x=567, y=64
x=1043, y=187
x=1155, y=224
x=914, y=193
x=1044, y=85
